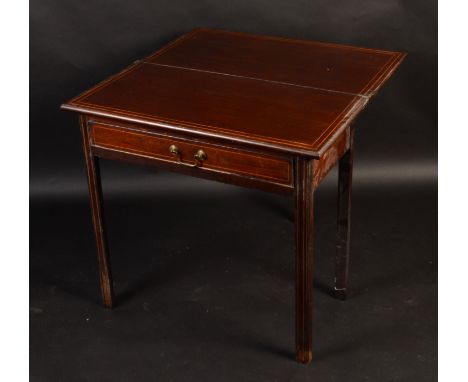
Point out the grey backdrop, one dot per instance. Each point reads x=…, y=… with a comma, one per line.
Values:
x=203, y=272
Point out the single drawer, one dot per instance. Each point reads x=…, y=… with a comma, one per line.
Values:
x=200, y=156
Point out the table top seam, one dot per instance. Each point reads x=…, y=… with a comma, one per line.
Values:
x=254, y=78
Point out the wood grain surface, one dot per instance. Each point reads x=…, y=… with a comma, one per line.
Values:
x=288, y=95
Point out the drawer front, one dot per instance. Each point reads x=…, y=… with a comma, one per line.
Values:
x=218, y=159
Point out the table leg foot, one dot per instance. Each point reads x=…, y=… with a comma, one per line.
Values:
x=340, y=294
x=304, y=356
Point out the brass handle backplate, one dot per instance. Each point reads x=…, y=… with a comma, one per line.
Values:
x=200, y=156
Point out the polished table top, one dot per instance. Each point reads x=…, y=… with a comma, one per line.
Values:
x=289, y=95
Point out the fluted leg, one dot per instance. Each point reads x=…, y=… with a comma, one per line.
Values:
x=96, y=202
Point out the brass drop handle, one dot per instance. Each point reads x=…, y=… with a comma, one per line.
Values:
x=200, y=156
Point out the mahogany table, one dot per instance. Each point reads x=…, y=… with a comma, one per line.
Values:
x=256, y=111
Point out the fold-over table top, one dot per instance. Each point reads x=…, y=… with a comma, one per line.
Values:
x=289, y=95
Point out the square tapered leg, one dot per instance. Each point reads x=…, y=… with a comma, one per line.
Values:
x=345, y=175
x=304, y=198
x=96, y=203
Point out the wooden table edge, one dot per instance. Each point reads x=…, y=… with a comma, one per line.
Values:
x=312, y=152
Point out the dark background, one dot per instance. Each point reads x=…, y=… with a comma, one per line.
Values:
x=204, y=271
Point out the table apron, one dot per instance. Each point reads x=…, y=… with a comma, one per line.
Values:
x=223, y=163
